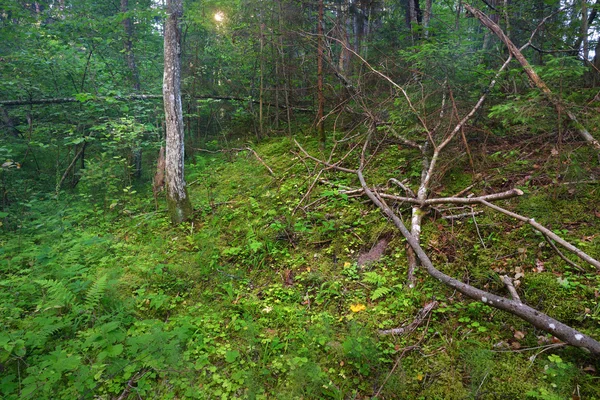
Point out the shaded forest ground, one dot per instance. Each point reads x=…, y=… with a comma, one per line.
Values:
x=262, y=297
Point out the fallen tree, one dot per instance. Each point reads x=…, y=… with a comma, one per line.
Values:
x=513, y=306
x=430, y=148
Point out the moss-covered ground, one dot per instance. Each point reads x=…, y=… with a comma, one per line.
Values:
x=260, y=296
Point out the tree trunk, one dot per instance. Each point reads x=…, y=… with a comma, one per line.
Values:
x=135, y=79
x=128, y=47
x=180, y=207
x=321, y=98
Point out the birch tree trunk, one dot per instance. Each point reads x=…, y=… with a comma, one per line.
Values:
x=180, y=207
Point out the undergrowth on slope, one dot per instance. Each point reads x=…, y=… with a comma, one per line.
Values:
x=261, y=296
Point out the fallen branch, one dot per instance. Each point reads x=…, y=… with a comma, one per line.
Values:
x=561, y=255
x=443, y=200
x=464, y=215
x=70, y=167
x=547, y=232
x=137, y=376
x=531, y=315
x=140, y=97
x=511, y=288
x=421, y=315
x=533, y=76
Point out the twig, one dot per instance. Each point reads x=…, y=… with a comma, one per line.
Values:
x=238, y=150
x=329, y=165
x=464, y=215
x=511, y=288
x=404, y=351
x=477, y=229
x=137, y=376
x=421, y=315
x=545, y=231
x=561, y=255
x=407, y=189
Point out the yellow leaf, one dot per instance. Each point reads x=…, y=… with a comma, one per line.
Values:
x=347, y=264
x=419, y=377
x=357, y=307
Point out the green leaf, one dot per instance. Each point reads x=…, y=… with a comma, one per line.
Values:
x=231, y=355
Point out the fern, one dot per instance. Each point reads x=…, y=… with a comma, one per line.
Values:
x=58, y=295
x=95, y=293
x=374, y=278
x=380, y=292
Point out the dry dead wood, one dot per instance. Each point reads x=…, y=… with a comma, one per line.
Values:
x=421, y=315
x=512, y=306
x=529, y=314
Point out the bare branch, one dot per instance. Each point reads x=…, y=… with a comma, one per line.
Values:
x=545, y=231
x=511, y=288
x=531, y=315
x=421, y=315
x=561, y=255
x=330, y=166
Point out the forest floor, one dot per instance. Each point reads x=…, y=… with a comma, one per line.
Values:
x=261, y=295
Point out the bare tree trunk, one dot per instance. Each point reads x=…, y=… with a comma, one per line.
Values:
x=321, y=98
x=178, y=201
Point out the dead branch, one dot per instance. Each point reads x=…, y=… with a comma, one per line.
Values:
x=404, y=187
x=329, y=165
x=137, y=376
x=561, y=255
x=545, y=231
x=70, y=167
x=447, y=200
x=421, y=315
x=140, y=97
x=531, y=315
x=511, y=288
x=534, y=77
x=464, y=215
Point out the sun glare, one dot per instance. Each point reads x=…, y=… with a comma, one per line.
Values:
x=219, y=16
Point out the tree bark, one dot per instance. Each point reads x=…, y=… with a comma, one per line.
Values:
x=178, y=201
x=321, y=98
x=128, y=47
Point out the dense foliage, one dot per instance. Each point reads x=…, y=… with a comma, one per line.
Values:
x=261, y=294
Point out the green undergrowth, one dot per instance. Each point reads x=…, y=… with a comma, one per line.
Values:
x=260, y=296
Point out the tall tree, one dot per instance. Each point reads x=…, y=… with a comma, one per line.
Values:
x=321, y=98
x=180, y=207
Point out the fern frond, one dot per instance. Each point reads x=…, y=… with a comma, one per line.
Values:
x=58, y=295
x=380, y=292
x=95, y=293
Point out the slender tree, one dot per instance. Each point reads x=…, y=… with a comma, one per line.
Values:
x=180, y=207
x=321, y=98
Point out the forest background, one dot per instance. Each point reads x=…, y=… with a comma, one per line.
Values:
x=340, y=155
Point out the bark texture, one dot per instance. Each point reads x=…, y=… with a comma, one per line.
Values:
x=178, y=201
